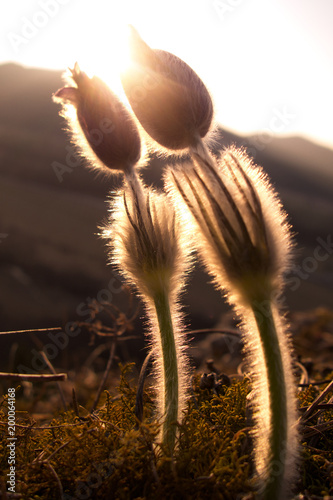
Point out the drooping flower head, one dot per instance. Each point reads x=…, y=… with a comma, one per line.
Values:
x=110, y=136
x=167, y=96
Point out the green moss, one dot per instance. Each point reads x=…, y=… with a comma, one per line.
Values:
x=110, y=454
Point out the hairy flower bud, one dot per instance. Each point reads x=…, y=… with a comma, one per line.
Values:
x=244, y=234
x=109, y=130
x=151, y=251
x=148, y=245
x=167, y=96
x=243, y=238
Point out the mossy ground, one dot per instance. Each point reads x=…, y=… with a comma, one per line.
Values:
x=111, y=455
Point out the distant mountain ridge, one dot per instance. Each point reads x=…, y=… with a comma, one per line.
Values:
x=52, y=256
x=27, y=109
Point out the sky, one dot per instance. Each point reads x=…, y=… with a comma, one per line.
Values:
x=267, y=63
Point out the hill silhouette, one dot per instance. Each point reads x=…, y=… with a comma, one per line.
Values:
x=51, y=259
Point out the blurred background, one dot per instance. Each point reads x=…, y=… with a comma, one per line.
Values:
x=269, y=68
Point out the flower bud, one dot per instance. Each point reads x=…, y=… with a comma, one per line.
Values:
x=149, y=247
x=151, y=251
x=167, y=96
x=236, y=218
x=109, y=129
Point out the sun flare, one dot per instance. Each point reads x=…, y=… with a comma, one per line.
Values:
x=107, y=56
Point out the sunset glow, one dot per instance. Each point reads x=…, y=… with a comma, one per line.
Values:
x=259, y=59
x=107, y=63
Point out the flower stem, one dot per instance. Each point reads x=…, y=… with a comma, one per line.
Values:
x=170, y=370
x=277, y=393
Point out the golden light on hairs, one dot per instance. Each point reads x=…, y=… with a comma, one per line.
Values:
x=108, y=128
x=244, y=233
x=167, y=96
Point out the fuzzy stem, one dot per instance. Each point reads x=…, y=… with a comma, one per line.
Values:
x=277, y=393
x=170, y=369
